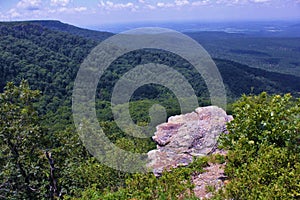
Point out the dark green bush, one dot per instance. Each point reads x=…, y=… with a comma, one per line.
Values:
x=264, y=154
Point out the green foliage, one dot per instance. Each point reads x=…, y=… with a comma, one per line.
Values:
x=25, y=170
x=216, y=158
x=48, y=59
x=48, y=55
x=264, y=151
x=78, y=170
x=59, y=26
x=276, y=54
x=23, y=166
x=172, y=184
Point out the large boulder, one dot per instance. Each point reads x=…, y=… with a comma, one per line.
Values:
x=186, y=136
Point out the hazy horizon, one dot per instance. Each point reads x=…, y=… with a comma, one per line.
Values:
x=95, y=13
x=289, y=28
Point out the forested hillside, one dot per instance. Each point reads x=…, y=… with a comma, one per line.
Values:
x=276, y=54
x=49, y=59
x=48, y=55
x=42, y=156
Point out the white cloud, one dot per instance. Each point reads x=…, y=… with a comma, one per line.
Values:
x=108, y=5
x=68, y=10
x=60, y=2
x=3, y=17
x=80, y=9
x=142, y=1
x=260, y=1
x=13, y=13
x=164, y=5
x=234, y=2
x=29, y=4
x=62, y=9
x=177, y=3
x=151, y=7
x=181, y=2
x=200, y=3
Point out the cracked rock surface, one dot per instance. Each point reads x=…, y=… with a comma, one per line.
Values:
x=186, y=136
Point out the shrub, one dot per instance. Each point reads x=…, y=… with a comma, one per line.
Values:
x=175, y=184
x=263, y=160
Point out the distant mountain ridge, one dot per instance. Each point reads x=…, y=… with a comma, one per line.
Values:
x=67, y=28
x=49, y=53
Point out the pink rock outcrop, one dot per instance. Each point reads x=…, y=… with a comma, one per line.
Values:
x=186, y=136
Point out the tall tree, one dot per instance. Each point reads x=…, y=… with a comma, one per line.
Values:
x=23, y=163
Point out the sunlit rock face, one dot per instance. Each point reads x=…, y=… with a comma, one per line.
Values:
x=186, y=136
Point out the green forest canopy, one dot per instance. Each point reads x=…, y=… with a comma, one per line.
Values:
x=42, y=156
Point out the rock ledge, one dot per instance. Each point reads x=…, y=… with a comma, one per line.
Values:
x=186, y=136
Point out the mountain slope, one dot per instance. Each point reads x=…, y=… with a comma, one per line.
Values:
x=277, y=54
x=50, y=58
x=241, y=78
x=67, y=28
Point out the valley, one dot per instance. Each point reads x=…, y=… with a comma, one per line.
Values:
x=39, y=61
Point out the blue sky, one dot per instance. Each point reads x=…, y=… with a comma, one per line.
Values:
x=95, y=12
